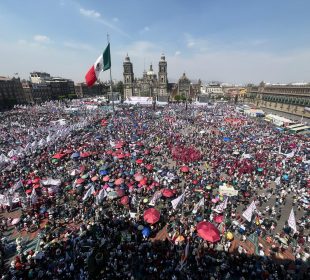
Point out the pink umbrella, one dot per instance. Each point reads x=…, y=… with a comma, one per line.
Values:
x=138, y=177
x=125, y=200
x=208, y=232
x=218, y=219
x=119, y=181
x=149, y=166
x=95, y=178
x=80, y=181
x=106, y=179
x=139, y=161
x=15, y=221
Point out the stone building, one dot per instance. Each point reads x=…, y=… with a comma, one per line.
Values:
x=150, y=85
x=289, y=98
x=61, y=88
x=82, y=90
x=184, y=89
x=11, y=93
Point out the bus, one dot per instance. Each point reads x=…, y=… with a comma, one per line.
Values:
x=294, y=126
x=297, y=130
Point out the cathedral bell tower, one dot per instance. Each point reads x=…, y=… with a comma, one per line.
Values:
x=128, y=78
x=162, y=76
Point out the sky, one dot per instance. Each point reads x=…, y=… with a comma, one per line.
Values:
x=233, y=41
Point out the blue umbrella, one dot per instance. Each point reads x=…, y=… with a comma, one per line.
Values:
x=103, y=172
x=146, y=232
x=227, y=139
x=75, y=155
x=285, y=177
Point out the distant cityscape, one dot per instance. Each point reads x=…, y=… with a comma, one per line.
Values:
x=291, y=98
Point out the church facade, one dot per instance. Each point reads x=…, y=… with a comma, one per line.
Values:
x=151, y=85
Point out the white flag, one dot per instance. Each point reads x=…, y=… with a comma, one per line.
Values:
x=247, y=214
x=89, y=192
x=280, y=147
x=101, y=195
x=221, y=207
x=155, y=197
x=176, y=201
x=292, y=221
x=278, y=181
x=198, y=205
x=33, y=196
x=290, y=155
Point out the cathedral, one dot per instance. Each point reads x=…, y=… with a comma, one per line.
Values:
x=150, y=85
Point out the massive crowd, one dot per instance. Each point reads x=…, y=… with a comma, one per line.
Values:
x=144, y=194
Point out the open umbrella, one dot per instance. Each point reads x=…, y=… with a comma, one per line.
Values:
x=58, y=156
x=75, y=155
x=75, y=172
x=120, y=193
x=208, y=232
x=149, y=167
x=138, y=177
x=112, y=195
x=184, y=168
x=139, y=161
x=95, y=178
x=80, y=181
x=229, y=236
x=125, y=200
x=218, y=219
x=15, y=221
x=103, y=172
x=119, y=181
x=151, y=215
x=146, y=231
x=167, y=193
x=106, y=179
x=84, y=155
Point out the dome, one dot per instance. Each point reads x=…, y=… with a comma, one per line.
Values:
x=127, y=59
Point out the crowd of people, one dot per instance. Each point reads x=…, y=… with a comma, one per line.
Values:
x=151, y=194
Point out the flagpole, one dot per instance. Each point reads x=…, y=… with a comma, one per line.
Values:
x=111, y=78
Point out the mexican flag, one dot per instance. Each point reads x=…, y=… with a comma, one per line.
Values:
x=102, y=63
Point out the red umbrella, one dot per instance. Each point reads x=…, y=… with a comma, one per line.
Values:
x=36, y=186
x=151, y=215
x=143, y=182
x=119, y=181
x=208, y=232
x=28, y=191
x=84, y=155
x=118, y=146
x=36, y=181
x=139, y=161
x=59, y=156
x=195, y=182
x=106, y=179
x=125, y=200
x=109, y=152
x=184, y=169
x=149, y=166
x=120, y=193
x=120, y=156
x=167, y=193
x=218, y=219
x=80, y=181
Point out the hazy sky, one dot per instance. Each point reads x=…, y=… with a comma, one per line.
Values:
x=236, y=41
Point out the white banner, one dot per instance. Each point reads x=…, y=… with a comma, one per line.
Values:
x=292, y=221
x=247, y=214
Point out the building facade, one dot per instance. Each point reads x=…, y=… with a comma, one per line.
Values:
x=150, y=85
x=292, y=98
x=184, y=89
x=11, y=93
x=61, y=88
x=39, y=77
x=82, y=90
